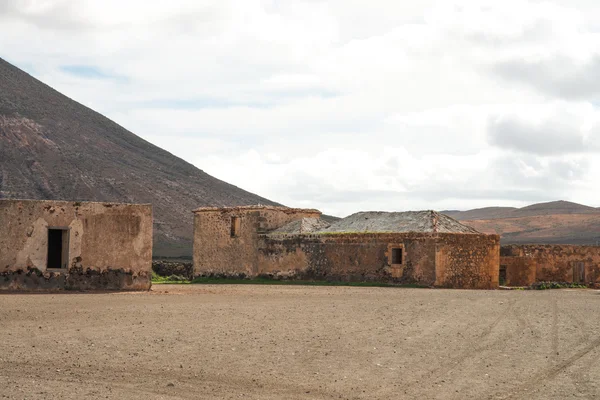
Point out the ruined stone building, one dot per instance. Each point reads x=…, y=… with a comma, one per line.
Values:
x=423, y=247
x=523, y=265
x=71, y=245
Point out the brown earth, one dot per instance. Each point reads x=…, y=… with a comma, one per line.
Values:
x=557, y=222
x=550, y=229
x=293, y=342
x=53, y=148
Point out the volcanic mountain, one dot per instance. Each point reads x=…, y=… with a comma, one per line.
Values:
x=561, y=222
x=54, y=148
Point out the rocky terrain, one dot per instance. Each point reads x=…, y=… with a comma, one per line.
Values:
x=54, y=148
x=557, y=222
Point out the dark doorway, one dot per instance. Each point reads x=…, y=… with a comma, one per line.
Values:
x=502, y=275
x=579, y=272
x=58, y=247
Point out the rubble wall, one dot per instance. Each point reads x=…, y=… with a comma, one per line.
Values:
x=444, y=260
x=557, y=263
x=468, y=261
x=520, y=271
x=109, y=245
x=218, y=252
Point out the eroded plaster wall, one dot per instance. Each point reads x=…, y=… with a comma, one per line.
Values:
x=446, y=260
x=216, y=251
x=110, y=245
x=558, y=263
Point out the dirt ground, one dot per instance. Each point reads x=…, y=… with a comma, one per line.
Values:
x=293, y=342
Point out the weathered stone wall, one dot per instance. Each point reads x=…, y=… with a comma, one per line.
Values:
x=445, y=260
x=216, y=251
x=468, y=261
x=347, y=257
x=558, y=263
x=109, y=245
x=520, y=271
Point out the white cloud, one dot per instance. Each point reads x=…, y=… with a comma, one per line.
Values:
x=334, y=105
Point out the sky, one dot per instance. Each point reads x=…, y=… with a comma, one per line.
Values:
x=340, y=105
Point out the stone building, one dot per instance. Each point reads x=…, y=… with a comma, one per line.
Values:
x=53, y=245
x=424, y=247
x=226, y=240
x=523, y=265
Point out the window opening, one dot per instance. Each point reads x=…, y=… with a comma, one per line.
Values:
x=397, y=256
x=235, y=226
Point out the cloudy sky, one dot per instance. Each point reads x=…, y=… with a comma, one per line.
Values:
x=343, y=105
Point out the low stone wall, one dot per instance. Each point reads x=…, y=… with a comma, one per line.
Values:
x=531, y=263
x=169, y=268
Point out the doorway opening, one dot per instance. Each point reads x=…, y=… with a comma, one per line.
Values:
x=502, y=275
x=579, y=273
x=58, y=248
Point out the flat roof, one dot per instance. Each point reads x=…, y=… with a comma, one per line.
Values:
x=256, y=207
x=106, y=203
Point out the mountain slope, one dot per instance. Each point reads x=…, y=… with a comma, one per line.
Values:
x=554, y=222
x=52, y=147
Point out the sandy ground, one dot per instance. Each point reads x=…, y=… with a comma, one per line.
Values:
x=292, y=342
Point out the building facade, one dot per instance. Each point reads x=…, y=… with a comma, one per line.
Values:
x=56, y=245
x=226, y=240
x=523, y=265
x=424, y=248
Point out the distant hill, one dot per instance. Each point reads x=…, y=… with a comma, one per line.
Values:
x=553, y=222
x=52, y=147
x=480, y=213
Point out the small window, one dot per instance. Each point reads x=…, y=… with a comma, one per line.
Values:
x=397, y=256
x=58, y=248
x=235, y=226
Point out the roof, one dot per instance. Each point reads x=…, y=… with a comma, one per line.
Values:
x=257, y=207
x=73, y=202
x=304, y=225
x=409, y=221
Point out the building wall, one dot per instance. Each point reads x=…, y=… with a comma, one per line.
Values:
x=217, y=252
x=109, y=245
x=552, y=263
x=520, y=271
x=445, y=260
x=468, y=261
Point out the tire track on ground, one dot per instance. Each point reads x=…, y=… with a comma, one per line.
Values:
x=186, y=386
x=441, y=371
x=525, y=322
x=555, y=338
x=552, y=372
